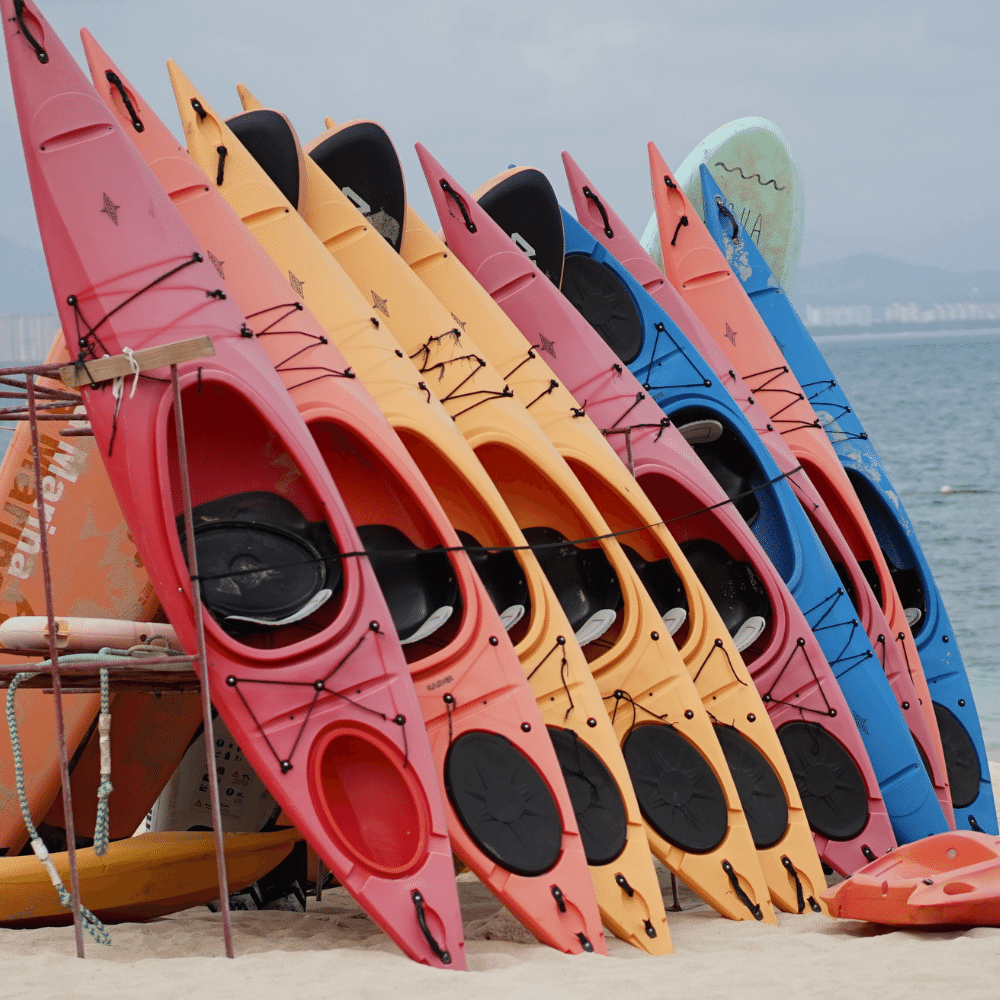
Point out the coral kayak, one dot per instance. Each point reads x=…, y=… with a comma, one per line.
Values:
x=588, y=368
x=696, y=267
x=954, y=707
x=509, y=812
x=302, y=660
x=949, y=878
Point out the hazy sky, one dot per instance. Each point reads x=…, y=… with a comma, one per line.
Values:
x=890, y=105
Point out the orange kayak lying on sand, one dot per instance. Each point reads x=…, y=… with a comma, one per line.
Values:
x=949, y=878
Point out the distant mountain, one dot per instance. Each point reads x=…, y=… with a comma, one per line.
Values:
x=867, y=279
x=24, y=280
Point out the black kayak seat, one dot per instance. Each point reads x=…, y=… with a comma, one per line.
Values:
x=262, y=564
x=664, y=585
x=584, y=581
x=604, y=301
x=271, y=141
x=419, y=585
x=526, y=208
x=502, y=578
x=731, y=464
x=362, y=161
x=733, y=587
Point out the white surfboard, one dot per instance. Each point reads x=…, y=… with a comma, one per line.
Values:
x=752, y=162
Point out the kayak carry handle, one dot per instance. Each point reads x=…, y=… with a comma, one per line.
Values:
x=460, y=201
x=440, y=953
x=116, y=81
x=43, y=56
x=724, y=211
x=608, y=231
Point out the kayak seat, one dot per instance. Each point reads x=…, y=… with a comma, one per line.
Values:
x=525, y=207
x=503, y=579
x=419, y=585
x=361, y=160
x=829, y=781
x=604, y=301
x=734, y=589
x=270, y=139
x=583, y=579
x=678, y=792
x=961, y=758
x=729, y=461
x=761, y=793
x=503, y=803
x=597, y=802
x=261, y=563
x=664, y=585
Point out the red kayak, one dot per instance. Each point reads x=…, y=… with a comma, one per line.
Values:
x=303, y=661
x=949, y=878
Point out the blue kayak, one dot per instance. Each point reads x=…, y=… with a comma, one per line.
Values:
x=676, y=376
x=954, y=706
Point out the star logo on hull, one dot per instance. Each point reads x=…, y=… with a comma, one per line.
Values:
x=110, y=209
x=296, y=285
x=216, y=263
x=861, y=723
x=379, y=303
x=730, y=335
x=546, y=345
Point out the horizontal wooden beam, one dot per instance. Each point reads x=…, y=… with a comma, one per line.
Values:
x=120, y=366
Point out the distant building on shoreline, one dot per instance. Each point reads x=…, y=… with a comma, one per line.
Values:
x=897, y=313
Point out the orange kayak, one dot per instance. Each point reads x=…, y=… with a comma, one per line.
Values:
x=96, y=573
x=699, y=271
x=484, y=725
x=949, y=878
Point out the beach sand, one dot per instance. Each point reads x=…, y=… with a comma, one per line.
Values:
x=334, y=949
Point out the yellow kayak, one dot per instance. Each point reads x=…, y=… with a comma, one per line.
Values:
x=634, y=655
x=139, y=877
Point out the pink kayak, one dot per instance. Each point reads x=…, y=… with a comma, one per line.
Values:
x=604, y=224
x=303, y=661
x=682, y=491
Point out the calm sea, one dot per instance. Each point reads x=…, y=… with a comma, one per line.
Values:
x=930, y=403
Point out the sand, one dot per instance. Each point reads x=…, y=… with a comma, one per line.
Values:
x=334, y=949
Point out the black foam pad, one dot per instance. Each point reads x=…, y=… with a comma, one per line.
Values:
x=760, y=790
x=503, y=803
x=734, y=587
x=660, y=579
x=731, y=464
x=501, y=574
x=597, y=802
x=361, y=160
x=259, y=557
x=269, y=139
x=415, y=582
x=583, y=579
x=829, y=781
x=678, y=792
x=960, y=757
x=527, y=210
x=604, y=301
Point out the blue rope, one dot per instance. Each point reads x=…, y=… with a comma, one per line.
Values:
x=95, y=928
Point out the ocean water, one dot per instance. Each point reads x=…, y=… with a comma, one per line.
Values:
x=930, y=403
